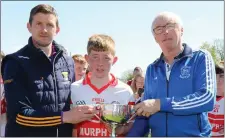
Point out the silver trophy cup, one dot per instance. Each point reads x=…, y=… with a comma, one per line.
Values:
x=116, y=114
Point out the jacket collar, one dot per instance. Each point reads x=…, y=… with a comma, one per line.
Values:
x=187, y=52
x=36, y=51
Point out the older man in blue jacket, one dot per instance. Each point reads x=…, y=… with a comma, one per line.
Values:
x=180, y=86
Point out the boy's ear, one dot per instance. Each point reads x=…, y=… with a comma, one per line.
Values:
x=115, y=60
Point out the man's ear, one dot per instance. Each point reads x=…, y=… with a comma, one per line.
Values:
x=29, y=27
x=57, y=30
x=182, y=31
x=115, y=60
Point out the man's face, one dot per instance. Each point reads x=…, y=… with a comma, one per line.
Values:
x=167, y=34
x=220, y=84
x=100, y=63
x=43, y=28
x=80, y=70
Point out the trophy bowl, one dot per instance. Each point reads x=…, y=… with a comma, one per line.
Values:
x=116, y=114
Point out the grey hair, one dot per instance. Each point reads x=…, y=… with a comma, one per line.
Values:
x=167, y=15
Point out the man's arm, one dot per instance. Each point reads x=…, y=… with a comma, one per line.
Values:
x=73, y=71
x=204, y=85
x=18, y=103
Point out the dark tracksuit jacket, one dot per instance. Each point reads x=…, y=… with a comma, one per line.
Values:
x=37, y=90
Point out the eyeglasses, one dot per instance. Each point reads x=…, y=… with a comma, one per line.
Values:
x=159, y=29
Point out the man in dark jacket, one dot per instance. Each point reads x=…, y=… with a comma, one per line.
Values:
x=37, y=82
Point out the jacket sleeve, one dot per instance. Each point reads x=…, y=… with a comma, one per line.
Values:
x=73, y=71
x=204, y=89
x=19, y=106
x=140, y=127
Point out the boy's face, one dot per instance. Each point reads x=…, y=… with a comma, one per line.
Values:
x=100, y=62
x=80, y=70
x=220, y=84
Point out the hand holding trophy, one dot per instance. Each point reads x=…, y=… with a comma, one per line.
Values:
x=116, y=115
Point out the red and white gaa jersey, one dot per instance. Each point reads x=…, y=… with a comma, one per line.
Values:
x=85, y=93
x=216, y=117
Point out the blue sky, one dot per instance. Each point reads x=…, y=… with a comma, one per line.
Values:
x=128, y=22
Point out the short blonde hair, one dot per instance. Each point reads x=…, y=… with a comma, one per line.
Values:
x=101, y=42
x=79, y=59
x=167, y=15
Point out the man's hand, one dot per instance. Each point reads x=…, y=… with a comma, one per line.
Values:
x=221, y=131
x=124, y=129
x=108, y=127
x=78, y=114
x=147, y=107
x=121, y=129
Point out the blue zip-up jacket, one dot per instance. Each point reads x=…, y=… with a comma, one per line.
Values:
x=37, y=90
x=185, y=98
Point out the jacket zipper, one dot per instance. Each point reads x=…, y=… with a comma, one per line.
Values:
x=54, y=81
x=167, y=93
x=55, y=88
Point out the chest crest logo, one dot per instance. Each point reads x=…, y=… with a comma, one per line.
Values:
x=185, y=72
x=65, y=76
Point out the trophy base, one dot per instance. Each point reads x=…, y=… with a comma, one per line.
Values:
x=113, y=125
